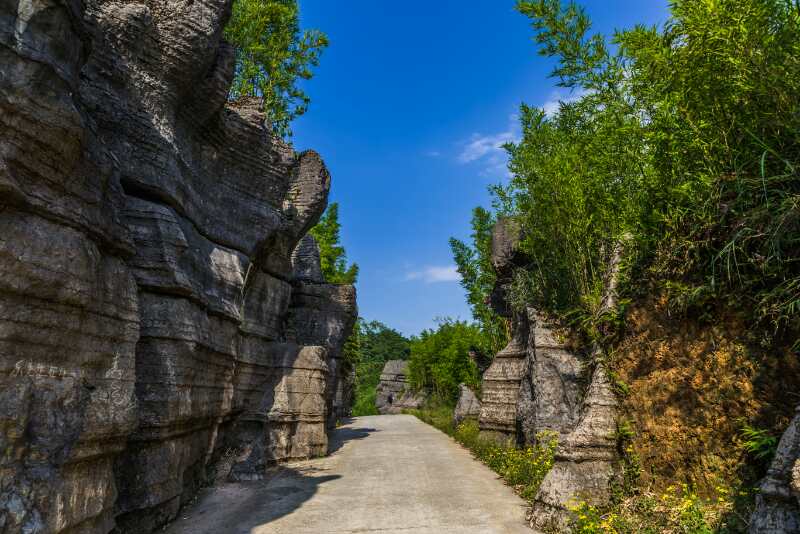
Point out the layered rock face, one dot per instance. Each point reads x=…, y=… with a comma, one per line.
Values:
x=778, y=500
x=394, y=394
x=324, y=314
x=502, y=380
x=151, y=318
x=467, y=407
x=584, y=465
x=536, y=385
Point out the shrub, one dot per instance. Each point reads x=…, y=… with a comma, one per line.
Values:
x=684, y=137
x=272, y=55
x=677, y=510
x=440, y=359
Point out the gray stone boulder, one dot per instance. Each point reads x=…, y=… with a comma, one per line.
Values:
x=778, y=500
x=467, y=407
x=394, y=393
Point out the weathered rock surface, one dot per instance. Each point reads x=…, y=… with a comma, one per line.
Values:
x=324, y=314
x=778, y=500
x=468, y=405
x=151, y=318
x=501, y=386
x=585, y=459
x=536, y=385
x=501, y=381
x=552, y=385
x=394, y=394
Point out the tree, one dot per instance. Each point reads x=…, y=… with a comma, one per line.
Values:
x=332, y=254
x=440, y=359
x=682, y=138
x=272, y=55
x=478, y=278
x=376, y=344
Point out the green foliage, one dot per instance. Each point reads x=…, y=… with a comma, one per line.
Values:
x=440, y=359
x=376, y=344
x=333, y=257
x=722, y=84
x=759, y=443
x=630, y=468
x=272, y=55
x=438, y=414
x=522, y=468
x=684, y=138
x=478, y=278
x=678, y=510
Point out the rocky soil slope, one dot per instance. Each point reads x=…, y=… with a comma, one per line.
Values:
x=152, y=322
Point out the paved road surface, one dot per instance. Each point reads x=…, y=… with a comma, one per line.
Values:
x=387, y=474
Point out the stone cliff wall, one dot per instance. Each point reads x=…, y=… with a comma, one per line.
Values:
x=152, y=322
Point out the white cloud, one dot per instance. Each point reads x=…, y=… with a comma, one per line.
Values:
x=480, y=146
x=435, y=274
x=487, y=149
x=433, y=153
x=553, y=103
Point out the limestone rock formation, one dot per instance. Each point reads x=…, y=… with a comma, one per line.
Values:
x=536, y=385
x=552, y=385
x=501, y=381
x=468, y=405
x=394, y=393
x=501, y=386
x=151, y=319
x=585, y=459
x=778, y=500
x=324, y=314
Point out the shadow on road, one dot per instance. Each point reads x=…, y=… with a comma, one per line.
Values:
x=342, y=435
x=241, y=508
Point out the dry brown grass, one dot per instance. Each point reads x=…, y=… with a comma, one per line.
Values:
x=693, y=384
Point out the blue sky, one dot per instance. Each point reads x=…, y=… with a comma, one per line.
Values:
x=409, y=107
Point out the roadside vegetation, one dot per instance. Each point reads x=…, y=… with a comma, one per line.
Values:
x=440, y=359
x=521, y=468
x=683, y=140
x=676, y=510
x=373, y=344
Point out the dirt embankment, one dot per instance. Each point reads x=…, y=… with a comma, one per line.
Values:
x=690, y=384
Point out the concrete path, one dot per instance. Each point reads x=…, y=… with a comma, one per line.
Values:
x=387, y=474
